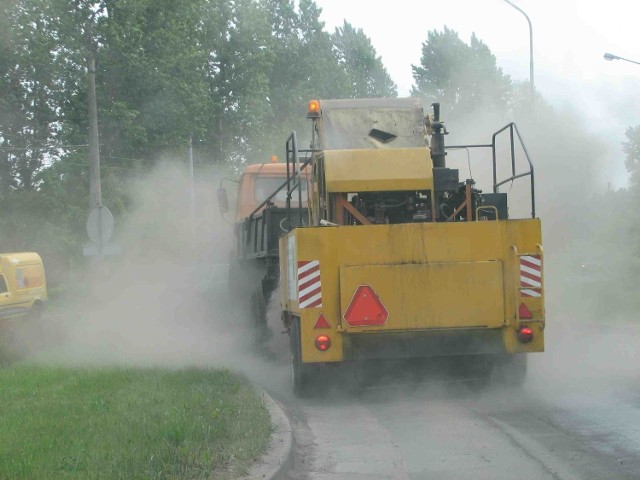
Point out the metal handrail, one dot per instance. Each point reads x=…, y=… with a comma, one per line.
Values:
x=513, y=127
x=293, y=181
x=514, y=176
x=269, y=199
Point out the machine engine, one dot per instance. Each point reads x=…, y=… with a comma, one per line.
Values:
x=409, y=207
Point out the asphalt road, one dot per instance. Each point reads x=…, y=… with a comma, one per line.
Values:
x=577, y=417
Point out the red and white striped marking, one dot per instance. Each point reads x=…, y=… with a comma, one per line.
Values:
x=530, y=276
x=309, y=287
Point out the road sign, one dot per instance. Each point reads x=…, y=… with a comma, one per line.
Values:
x=100, y=225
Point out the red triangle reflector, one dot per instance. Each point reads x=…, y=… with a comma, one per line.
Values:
x=524, y=312
x=366, y=308
x=322, y=322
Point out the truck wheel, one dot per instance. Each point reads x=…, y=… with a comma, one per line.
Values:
x=300, y=373
x=239, y=302
x=258, y=308
x=259, y=316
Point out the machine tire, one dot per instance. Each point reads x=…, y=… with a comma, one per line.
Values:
x=511, y=370
x=300, y=373
x=479, y=369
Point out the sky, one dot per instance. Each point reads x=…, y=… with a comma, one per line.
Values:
x=570, y=38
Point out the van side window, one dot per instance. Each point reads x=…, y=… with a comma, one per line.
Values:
x=3, y=285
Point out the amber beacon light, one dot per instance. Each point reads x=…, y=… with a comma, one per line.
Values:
x=313, y=109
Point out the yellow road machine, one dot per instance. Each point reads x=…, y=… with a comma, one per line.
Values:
x=398, y=258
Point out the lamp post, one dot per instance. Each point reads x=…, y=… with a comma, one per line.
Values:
x=530, y=46
x=611, y=56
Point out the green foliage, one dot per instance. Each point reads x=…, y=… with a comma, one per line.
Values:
x=463, y=77
x=632, y=150
x=30, y=78
x=234, y=76
x=358, y=58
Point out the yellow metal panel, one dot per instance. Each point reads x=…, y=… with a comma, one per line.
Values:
x=378, y=170
x=431, y=295
x=485, y=243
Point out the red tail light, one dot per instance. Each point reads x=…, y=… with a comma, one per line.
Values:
x=323, y=343
x=525, y=334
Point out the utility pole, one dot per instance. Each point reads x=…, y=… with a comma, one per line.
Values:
x=95, y=189
x=192, y=192
x=100, y=220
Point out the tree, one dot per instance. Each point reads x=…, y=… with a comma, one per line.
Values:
x=463, y=77
x=29, y=81
x=235, y=76
x=631, y=149
x=356, y=55
x=241, y=58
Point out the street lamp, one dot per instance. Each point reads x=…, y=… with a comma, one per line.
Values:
x=530, y=45
x=611, y=56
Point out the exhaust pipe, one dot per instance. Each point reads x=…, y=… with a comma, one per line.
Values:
x=437, y=138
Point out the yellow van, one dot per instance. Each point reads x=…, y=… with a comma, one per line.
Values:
x=23, y=287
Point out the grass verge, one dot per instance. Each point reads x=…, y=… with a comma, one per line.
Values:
x=61, y=423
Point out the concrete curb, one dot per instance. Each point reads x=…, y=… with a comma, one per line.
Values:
x=278, y=459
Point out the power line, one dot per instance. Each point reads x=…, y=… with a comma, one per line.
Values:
x=52, y=147
x=200, y=174
x=143, y=160
x=101, y=166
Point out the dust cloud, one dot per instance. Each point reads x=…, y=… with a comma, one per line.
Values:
x=162, y=302
x=592, y=334
x=592, y=339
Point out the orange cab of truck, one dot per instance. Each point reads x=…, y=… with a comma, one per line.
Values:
x=259, y=181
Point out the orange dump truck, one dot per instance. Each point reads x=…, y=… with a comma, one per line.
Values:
x=260, y=218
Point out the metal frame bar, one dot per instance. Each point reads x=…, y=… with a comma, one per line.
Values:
x=293, y=157
x=466, y=204
x=512, y=127
x=344, y=204
x=487, y=207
